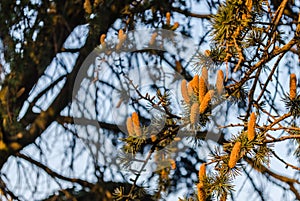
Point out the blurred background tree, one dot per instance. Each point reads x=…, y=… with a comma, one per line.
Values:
x=44, y=44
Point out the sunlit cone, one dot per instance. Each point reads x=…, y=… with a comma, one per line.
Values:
x=235, y=154
x=195, y=84
x=220, y=82
x=194, y=113
x=14, y=146
x=202, y=172
x=204, y=74
x=184, y=92
x=175, y=26
x=223, y=197
x=122, y=38
x=173, y=164
x=108, y=195
x=202, y=88
x=52, y=8
x=102, y=39
x=20, y=92
x=97, y=2
x=120, y=34
x=153, y=38
x=251, y=127
x=207, y=53
x=119, y=103
x=190, y=90
x=178, y=66
x=168, y=18
x=87, y=6
x=3, y=146
x=201, y=192
x=164, y=174
x=206, y=100
x=153, y=138
x=249, y=4
x=244, y=16
x=136, y=124
x=129, y=125
x=293, y=86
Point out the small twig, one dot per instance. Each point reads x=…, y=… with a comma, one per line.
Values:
x=283, y=138
x=187, y=13
x=288, y=129
x=5, y=190
x=53, y=173
x=138, y=174
x=239, y=50
x=277, y=121
x=287, y=164
x=270, y=76
x=232, y=125
x=151, y=100
x=266, y=171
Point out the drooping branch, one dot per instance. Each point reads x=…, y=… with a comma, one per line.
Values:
x=4, y=190
x=286, y=163
x=85, y=121
x=262, y=169
x=54, y=174
x=190, y=14
x=45, y=118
